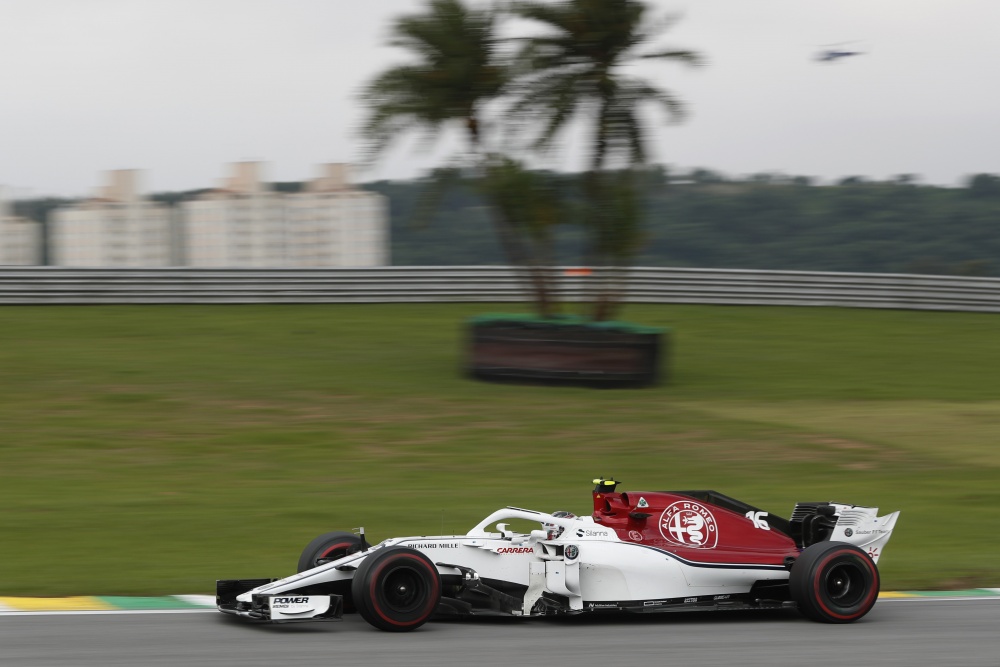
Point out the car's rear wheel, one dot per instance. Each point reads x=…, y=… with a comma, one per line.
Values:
x=396, y=589
x=834, y=582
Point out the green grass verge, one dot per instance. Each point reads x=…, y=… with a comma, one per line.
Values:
x=151, y=450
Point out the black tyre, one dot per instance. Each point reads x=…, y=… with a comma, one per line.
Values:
x=325, y=548
x=396, y=589
x=834, y=582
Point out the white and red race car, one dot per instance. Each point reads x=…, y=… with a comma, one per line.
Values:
x=644, y=552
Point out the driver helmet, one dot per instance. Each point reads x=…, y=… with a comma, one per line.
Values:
x=552, y=531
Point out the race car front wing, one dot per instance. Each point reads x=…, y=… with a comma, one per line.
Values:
x=280, y=608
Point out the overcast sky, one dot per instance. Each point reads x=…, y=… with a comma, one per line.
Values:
x=180, y=88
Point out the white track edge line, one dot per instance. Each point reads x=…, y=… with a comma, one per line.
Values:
x=118, y=612
x=105, y=612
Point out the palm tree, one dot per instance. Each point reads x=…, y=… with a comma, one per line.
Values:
x=577, y=67
x=456, y=70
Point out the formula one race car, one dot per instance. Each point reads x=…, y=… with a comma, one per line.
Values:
x=638, y=552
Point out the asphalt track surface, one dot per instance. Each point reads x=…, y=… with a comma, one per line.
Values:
x=897, y=632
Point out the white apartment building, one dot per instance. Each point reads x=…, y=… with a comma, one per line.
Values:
x=239, y=224
x=20, y=238
x=117, y=228
x=331, y=223
x=244, y=224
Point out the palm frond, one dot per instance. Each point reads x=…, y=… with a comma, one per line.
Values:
x=455, y=69
x=692, y=58
x=593, y=39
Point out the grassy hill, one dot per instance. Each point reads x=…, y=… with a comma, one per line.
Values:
x=148, y=450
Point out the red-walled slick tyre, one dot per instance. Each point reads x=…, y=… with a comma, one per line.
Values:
x=396, y=589
x=834, y=582
x=325, y=548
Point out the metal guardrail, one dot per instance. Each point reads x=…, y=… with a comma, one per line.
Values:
x=55, y=285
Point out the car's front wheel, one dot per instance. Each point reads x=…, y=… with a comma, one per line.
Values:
x=328, y=547
x=834, y=582
x=396, y=589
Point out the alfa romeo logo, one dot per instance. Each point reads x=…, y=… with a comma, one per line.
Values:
x=689, y=524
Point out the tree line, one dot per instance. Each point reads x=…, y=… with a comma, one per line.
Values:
x=703, y=219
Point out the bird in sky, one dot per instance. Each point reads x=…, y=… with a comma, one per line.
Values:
x=834, y=52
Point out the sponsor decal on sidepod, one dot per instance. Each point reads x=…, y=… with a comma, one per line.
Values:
x=689, y=524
